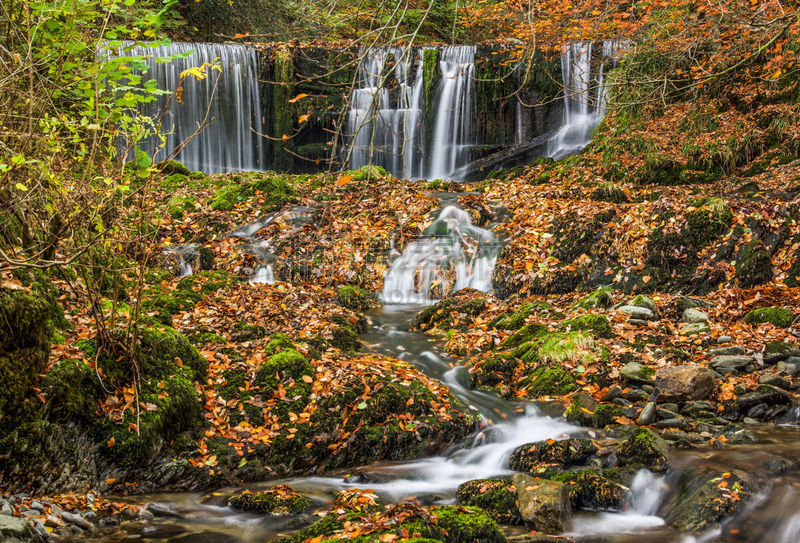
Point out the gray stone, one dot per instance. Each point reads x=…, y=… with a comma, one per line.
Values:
x=766, y=394
x=786, y=368
x=638, y=322
x=636, y=312
x=637, y=395
x=633, y=371
x=613, y=392
x=666, y=413
x=732, y=350
x=776, y=351
x=730, y=361
x=775, y=380
x=37, y=506
x=643, y=301
x=721, y=340
x=684, y=383
x=679, y=423
x=695, y=329
x=14, y=530
x=544, y=505
x=77, y=520
x=648, y=415
x=6, y=509
x=698, y=409
x=693, y=316
x=670, y=406
x=649, y=388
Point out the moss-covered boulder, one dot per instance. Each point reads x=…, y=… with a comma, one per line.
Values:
x=598, y=325
x=454, y=312
x=594, y=489
x=548, y=381
x=270, y=190
x=706, y=496
x=605, y=414
x=356, y=298
x=753, y=264
x=172, y=167
x=287, y=368
x=278, y=500
x=514, y=320
x=779, y=316
x=163, y=302
x=564, y=453
x=498, y=497
x=543, y=504
x=495, y=372
x=526, y=334
x=602, y=298
x=644, y=449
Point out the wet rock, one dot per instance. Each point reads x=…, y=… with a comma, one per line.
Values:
x=498, y=497
x=639, y=373
x=698, y=409
x=732, y=350
x=766, y=394
x=460, y=310
x=566, y=452
x=730, y=363
x=15, y=530
x=684, y=383
x=77, y=520
x=636, y=395
x=544, y=505
x=775, y=380
x=613, y=392
x=705, y=496
x=776, y=351
x=581, y=409
x=736, y=434
x=670, y=406
x=644, y=449
x=648, y=415
x=593, y=489
x=278, y=500
x=605, y=414
x=672, y=423
x=694, y=316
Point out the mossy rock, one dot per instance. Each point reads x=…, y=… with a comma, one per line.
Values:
x=779, y=316
x=526, y=334
x=171, y=167
x=498, y=497
x=610, y=193
x=282, y=367
x=605, y=414
x=456, y=311
x=598, y=325
x=558, y=347
x=594, y=489
x=602, y=298
x=159, y=349
x=356, y=298
x=581, y=409
x=704, y=225
x=494, y=370
x=753, y=265
x=278, y=500
x=644, y=449
x=516, y=319
x=277, y=343
x=564, y=453
x=243, y=331
x=548, y=381
x=72, y=390
x=368, y=173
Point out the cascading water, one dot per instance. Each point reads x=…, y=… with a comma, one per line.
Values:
x=451, y=254
x=452, y=136
x=386, y=124
x=221, y=113
x=585, y=94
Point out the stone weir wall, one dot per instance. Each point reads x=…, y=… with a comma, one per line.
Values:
x=511, y=103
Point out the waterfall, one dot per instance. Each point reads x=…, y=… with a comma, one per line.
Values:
x=225, y=106
x=451, y=254
x=585, y=94
x=452, y=135
x=385, y=117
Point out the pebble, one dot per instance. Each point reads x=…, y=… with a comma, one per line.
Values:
x=680, y=424
x=775, y=380
x=37, y=506
x=613, y=392
x=648, y=415
x=670, y=407
x=77, y=520
x=636, y=395
x=721, y=340
x=694, y=316
x=732, y=350
x=6, y=509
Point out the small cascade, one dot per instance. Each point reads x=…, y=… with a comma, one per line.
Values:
x=647, y=493
x=451, y=254
x=452, y=136
x=182, y=259
x=385, y=117
x=224, y=108
x=585, y=93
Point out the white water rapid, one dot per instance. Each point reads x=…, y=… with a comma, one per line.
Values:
x=451, y=254
x=220, y=114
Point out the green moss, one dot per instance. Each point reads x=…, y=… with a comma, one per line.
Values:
x=534, y=458
x=548, y=381
x=561, y=346
x=495, y=370
x=170, y=167
x=277, y=343
x=524, y=335
x=593, y=490
x=779, y=316
x=280, y=368
x=355, y=298
x=605, y=414
x=644, y=448
x=609, y=193
x=72, y=390
x=463, y=525
x=516, y=319
x=443, y=314
x=368, y=173
x=234, y=379
x=280, y=500
x=602, y=298
x=249, y=332
x=598, y=325
x=497, y=497
x=226, y=198
x=753, y=265
x=158, y=349
x=207, y=337
x=708, y=223
x=283, y=113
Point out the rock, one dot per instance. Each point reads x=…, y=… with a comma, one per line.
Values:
x=6, y=509
x=77, y=520
x=639, y=313
x=636, y=395
x=497, y=497
x=698, y=409
x=14, y=530
x=544, y=505
x=672, y=423
x=730, y=362
x=37, y=506
x=613, y=392
x=633, y=371
x=644, y=449
x=684, y=383
x=732, y=350
x=786, y=367
x=643, y=301
x=693, y=316
x=593, y=489
x=777, y=351
x=581, y=409
x=779, y=316
x=775, y=380
x=278, y=500
x=722, y=340
x=700, y=502
x=566, y=452
x=53, y=521
x=766, y=394
x=695, y=329
x=648, y=415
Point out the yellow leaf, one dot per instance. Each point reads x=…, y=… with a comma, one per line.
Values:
x=343, y=180
x=237, y=36
x=298, y=97
x=303, y=118
x=308, y=379
x=284, y=137
x=111, y=481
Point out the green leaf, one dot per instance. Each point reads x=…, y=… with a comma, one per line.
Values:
x=21, y=187
x=362, y=405
x=242, y=463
